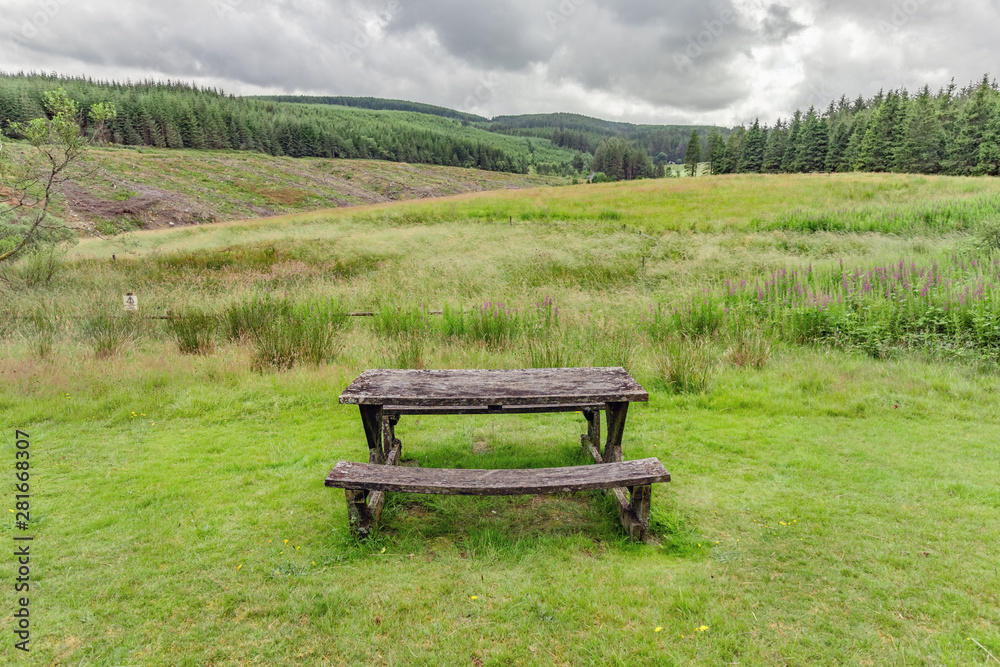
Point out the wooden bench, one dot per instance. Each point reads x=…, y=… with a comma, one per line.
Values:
x=383, y=396
x=361, y=479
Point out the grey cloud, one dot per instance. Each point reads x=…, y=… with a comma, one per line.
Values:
x=779, y=24
x=676, y=60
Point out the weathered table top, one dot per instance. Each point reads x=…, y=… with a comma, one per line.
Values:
x=530, y=386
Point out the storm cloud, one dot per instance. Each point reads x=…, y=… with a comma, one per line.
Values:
x=640, y=60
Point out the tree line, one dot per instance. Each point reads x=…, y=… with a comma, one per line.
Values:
x=954, y=131
x=178, y=115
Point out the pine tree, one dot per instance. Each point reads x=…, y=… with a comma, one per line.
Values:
x=839, y=139
x=989, y=150
x=922, y=146
x=813, y=144
x=774, y=151
x=693, y=154
x=788, y=160
x=715, y=152
x=852, y=154
x=752, y=157
x=883, y=136
x=734, y=150
x=975, y=119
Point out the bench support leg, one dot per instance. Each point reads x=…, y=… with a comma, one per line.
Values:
x=364, y=508
x=591, y=440
x=634, y=512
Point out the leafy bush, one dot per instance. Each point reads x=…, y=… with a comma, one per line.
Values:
x=702, y=316
x=494, y=323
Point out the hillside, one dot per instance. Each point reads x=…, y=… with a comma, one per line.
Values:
x=175, y=115
x=153, y=188
x=376, y=104
x=565, y=130
x=584, y=133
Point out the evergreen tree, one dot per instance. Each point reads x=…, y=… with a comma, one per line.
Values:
x=752, y=157
x=839, y=139
x=790, y=158
x=922, y=145
x=852, y=154
x=619, y=159
x=774, y=151
x=692, y=156
x=884, y=134
x=715, y=151
x=989, y=150
x=813, y=144
x=734, y=150
x=975, y=120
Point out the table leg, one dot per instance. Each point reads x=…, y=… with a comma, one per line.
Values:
x=616, y=429
x=371, y=417
x=591, y=440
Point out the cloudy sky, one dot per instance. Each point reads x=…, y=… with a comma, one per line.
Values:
x=680, y=61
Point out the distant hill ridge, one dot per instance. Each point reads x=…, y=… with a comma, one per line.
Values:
x=566, y=130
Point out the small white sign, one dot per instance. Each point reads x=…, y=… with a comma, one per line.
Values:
x=131, y=302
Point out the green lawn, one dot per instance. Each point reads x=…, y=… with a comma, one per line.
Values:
x=829, y=507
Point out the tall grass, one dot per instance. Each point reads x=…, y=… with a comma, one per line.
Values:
x=950, y=303
x=687, y=365
x=701, y=316
x=194, y=331
x=109, y=334
x=935, y=217
x=42, y=332
x=284, y=333
x=392, y=320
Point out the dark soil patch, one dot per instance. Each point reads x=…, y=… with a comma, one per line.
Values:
x=151, y=208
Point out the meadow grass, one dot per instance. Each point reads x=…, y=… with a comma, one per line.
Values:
x=828, y=505
x=826, y=509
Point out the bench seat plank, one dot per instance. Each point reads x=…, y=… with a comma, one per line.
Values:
x=500, y=482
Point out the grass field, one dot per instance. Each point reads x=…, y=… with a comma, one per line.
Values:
x=834, y=491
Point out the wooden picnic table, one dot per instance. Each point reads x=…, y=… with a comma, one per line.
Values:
x=383, y=396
